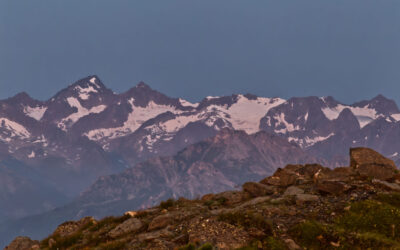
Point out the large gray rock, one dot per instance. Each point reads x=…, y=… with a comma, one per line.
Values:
x=160, y=221
x=293, y=190
x=129, y=226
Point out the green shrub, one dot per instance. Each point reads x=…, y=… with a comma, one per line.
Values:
x=391, y=199
x=246, y=220
x=189, y=246
x=167, y=204
x=250, y=247
x=114, y=245
x=372, y=217
x=108, y=221
x=274, y=244
x=309, y=234
x=66, y=241
x=206, y=246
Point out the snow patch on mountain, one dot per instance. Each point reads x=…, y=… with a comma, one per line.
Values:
x=364, y=115
x=396, y=117
x=84, y=93
x=35, y=112
x=32, y=155
x=246, y=114
x=81, y=112
x=307, y=141
x=135, y=119
x=14, y=129
x=174, y=125
x=212, y=97
x=188, y=104
x=287, y=127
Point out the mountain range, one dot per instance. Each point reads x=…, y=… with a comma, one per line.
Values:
x=90, y=151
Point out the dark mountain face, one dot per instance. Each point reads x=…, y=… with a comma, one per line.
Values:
x=24, y=191
x=215, y=164
x=381, y=104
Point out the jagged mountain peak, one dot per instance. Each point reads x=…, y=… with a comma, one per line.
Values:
x=142, y=94
x=379, y=103
x=83, y=89
x=21, y=98
x=143, y=85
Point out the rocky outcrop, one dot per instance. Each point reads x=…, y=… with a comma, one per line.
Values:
x=298, y=207
x=369, y=163
x=129, y=226
x=23, y=243
x=70, y=227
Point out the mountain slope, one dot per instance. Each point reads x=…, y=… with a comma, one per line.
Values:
x=298, y=207
x=86, y=131
x=217, y=164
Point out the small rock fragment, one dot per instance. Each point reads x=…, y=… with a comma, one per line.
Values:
x=293, y=190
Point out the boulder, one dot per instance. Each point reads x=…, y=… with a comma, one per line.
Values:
x=231, y=197
x=281, y=177
x=343, y=174
x=381, y=172
x=149, y=236
x=160, y=221
x=23, y=243
x=304, y=198
x=131, y=225
x=291, y=245
x=332, y=187
x=257, y=189
x=361, y=156
x=387, y=185
x=70, y=227
x=369, y=163
x=293, y=190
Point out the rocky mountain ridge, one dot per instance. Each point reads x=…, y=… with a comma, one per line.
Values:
x=86, y=132
x=220, y=163
x=298, y=207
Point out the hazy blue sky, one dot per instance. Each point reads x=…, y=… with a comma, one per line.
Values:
x=349, y=49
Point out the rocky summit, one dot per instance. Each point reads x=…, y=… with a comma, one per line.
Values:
x=298, y=207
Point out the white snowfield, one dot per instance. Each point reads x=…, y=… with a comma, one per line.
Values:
x=35, y=112
x=84, y=93
x=307, y=141
x=14, y=129
x=135, y=119
x=244, y=115
x=188, y=104
x=67, y=122
x=364, y=115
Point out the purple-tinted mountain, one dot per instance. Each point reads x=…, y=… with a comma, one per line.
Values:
x=86, y=130
x=217, y=164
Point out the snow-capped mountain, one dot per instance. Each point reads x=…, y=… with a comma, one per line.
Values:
x=141, y=122
x=86, y=130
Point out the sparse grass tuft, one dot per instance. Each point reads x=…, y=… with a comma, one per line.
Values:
x=372, y=217
x=167, y=204
x=189, y=246
x=391, y=199
x=247, y=220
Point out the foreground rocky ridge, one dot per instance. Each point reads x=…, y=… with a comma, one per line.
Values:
x=299, y=206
